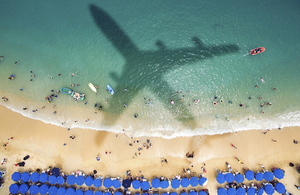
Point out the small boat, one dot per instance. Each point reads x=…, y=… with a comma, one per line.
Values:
x=77, y=96
x=74, y=94
x=93, y=87
x=257, y=50
x=110, y=89
x=66, y=91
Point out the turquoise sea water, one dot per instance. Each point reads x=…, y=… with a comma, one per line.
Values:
x=154, y=50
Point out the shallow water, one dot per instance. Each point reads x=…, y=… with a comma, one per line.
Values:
x=154, y=51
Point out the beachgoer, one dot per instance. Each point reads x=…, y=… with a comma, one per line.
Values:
x=262, y=80
x=1, y=57
x=234, y=146
x=274, y=89
x=295, y=141
x=250, y=98
x=16, y=63
x=100, y=107
x=125, y=104
x=172, y=102
x=72, y=85
x=273, y=140
x=136, y=115
x=256, y=86
x=241, y=105
x=192, y=165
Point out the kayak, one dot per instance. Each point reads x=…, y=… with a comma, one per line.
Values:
x=93, y=87
x=110, y=89
x=66, y=91
x=257, y=50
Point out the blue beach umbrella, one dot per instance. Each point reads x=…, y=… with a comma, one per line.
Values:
x=222, y=191
x=61, y=191
x=185, y=182
x=173, y=193
x=136, y=194
x=107, y=193
x=71, y=180
x=97, y=183
x=98, y=193
x=136, y=184
x=241, y=191
x=280, y=188
x=52, y=179
x=88, y=181
x=165, y=193
x=126, y=183
x=155, y=183
x=23, y=188
x=117, y=193
x=79, y=180
x=268, y=176
x=229, y=177
x=231, y=191
x=184, y=193
x=52, y=190
x=79, y=192
x=145, y=185
x=202, y=193
x=175, y=183
x=193, y=193
x=278, y=173
x=25, y=177
x=251, y=191
x=107, y=183
x=259, y=176
x=194, y=181
x=164, y=184
x=239, y=178
x=116, y=184
x=34, y=177
x=249, y=175
x=202, y=181
x=145, y=194
x=70, y=191
x=55, y=171
x=90, y=192
x=260, y=191
x=13, y=188
x=16, y=176
x=220, y=178
x=34, y=189
x=43, y=178
x=43, y=189
x=269, y=189
x=60, y=180
x=155, y=194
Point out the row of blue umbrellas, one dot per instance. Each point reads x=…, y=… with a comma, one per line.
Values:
x=175, y=183
x=269, y=189
x=52, y=179
x=249, y=175
x=44, y=189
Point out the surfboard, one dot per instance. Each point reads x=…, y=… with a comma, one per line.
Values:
x=93, y=87
x=110, y=89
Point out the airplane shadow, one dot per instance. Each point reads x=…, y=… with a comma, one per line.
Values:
x=147, y=68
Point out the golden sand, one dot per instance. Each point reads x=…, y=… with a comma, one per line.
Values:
x=45, y=145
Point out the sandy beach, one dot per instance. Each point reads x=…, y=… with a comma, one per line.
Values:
x=45, y=145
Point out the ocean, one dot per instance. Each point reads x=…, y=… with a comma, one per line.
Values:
x=150, y=53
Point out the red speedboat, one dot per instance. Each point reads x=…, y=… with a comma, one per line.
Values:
x=257, y=50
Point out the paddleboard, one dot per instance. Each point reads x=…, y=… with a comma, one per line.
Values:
x=93, y=87
x=110, y=90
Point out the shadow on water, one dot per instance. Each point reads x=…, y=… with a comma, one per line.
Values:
x=147, y=68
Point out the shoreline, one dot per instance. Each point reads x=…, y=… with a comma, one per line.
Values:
x=211, y=126
x=45, y=145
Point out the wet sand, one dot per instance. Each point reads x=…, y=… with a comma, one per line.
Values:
x=45, y=145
